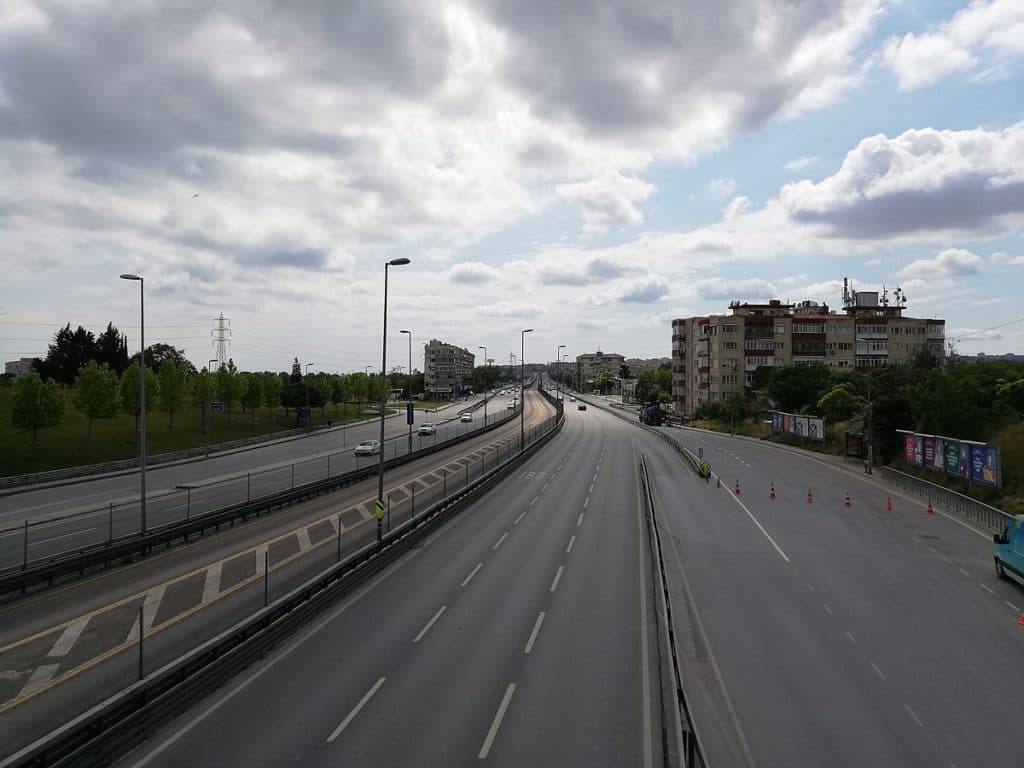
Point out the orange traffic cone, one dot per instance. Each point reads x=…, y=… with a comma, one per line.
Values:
x=846, y=501
x=771, y=494
x=888, y=504
x=737, y=487
x=810, y=499
x=930, y=510
x=1021, y=622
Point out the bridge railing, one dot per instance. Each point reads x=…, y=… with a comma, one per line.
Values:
x=963, y=506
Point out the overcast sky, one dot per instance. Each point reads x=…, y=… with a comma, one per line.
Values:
x=588, y=169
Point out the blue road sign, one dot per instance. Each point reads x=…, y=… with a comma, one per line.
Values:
x=216, y=406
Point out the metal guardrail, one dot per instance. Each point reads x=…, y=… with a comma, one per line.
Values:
x=964, y=506
x=47, y=571
x=116, y=725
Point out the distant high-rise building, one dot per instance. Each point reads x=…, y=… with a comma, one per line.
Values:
x=591, y=364
x=447, y=369
x=718, y=355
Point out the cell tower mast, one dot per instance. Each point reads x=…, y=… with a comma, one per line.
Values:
x=221, y=339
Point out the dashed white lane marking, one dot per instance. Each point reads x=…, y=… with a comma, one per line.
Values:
x=149, y=608
x=1014, y=607
x=913, y=715
x=521, y=516
x=545, y=487
x=211, y=587
x=591, y=488
x=355, y=710
x=915, y=538
x=68, y=638
x=554, y=475
x=261, y=560
x=828, y=608
x=932, y=549
x=988, y=589
x=558, y=575
x=948, y=560
x=965, y=573
x=579, y=520
x=594, y=478
x=430, y=623
x=852, y=638
x=472, y=574
x=878, y=672
x=586, y=502
x=571, y=542
x=810, y=587
x=503, y=537
x=486, y=748
x=533, y=634
x=534, y=500
x=40, y=677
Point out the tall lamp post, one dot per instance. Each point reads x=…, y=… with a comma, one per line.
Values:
x=870, y=430
x=379, y=512
x=305, y=380
x=485, y=382
x=408, y=417
x=522, y=387
x=208, y=409
x=558, y=356
x=142, y=395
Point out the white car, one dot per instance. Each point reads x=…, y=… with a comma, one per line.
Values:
x=427, y=429
x=466, y=417
x=510, y=407
x=572, y=399
x=368, y=448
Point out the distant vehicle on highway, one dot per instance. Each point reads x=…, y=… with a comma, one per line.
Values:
x=510, y=407
x=367, y=448
x=466, y=417
x=572, y=399
x=1008, y=550
x=427, y=429
x=581, y=407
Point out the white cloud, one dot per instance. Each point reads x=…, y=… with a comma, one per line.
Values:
x=920, y=181
x=608, y=201
x=736, y=208
x=800, y=163
x=984, y=34
x=509, y=309
x=720, y=289
x=645, y=291
x=1002, y=258
x=473, y=273
x=722, y=188
x=952, y=262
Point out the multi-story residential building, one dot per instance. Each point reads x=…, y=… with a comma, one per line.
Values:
x=447, y=369
x=717, y=355
x=18, y=368
x=590, y=365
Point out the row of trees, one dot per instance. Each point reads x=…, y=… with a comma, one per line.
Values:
x=969, y=400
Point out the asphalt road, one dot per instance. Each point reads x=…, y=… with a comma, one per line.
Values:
x=178, y=491
x=522, y=634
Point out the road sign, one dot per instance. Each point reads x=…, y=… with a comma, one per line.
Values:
x=216, y=406
x=409, y=413
x=379, y=509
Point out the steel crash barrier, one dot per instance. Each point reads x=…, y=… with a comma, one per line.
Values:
x=45, y=572
x=963, y=506
x=116, y=725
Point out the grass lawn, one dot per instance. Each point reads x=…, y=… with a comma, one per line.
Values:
x=65, y=445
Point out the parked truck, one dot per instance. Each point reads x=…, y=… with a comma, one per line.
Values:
x=651, y=415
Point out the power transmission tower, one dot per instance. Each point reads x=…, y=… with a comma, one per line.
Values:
x=222, y=339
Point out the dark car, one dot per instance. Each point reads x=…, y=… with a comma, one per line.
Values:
x=581, y=407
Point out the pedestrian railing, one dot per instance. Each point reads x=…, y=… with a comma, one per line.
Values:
x=963, y=506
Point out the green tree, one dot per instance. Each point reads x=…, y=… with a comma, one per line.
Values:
x=174, y=381
x=67, y=355
x=647, y=389
x=204, y=388
x=602, y=380
x=112, y=349
x=252, y=392
x=272, y=385
x=129, y=390
x=1011, y=394
x=319, y=391
x=36, y=403
x=796, y=387
x=229, y=385
x=840, y=403
x=159, y=353
x=96, y=393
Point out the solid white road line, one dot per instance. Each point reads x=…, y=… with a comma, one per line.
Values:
x=778, y=549
x=579, y=520
x=430, y=623
x=520, y=518
x=486, y=748
x=558, y=575
x=503, y=537
x=913, y=715
x=533, y=634
x=211, y=587
x=988, y=589
x=878, y=672
x=68, y=638
x=571, y=542
x=355, y=710
x=472, y=574
x=62, y=536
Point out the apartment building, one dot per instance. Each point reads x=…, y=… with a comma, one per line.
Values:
x=447, y=369
x=718, y=355
x=591, y=364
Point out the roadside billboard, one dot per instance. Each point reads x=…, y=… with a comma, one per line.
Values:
x=975, y=462
x=807, y=427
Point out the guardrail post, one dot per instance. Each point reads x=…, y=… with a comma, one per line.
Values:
x=339, y=538
x=328, y=466
x=389, y=512
x=24, y=559
x=293, y=477
x=412, y=514
x=467, y=473
x=142, y=633
x=266, y=577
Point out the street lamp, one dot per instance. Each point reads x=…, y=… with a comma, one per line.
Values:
x=408, y=416
x=485, y=382
x=870, y=430
x=208, y=409
x=558, y=356
x=379, y=512
x=142, y=395
x=305, y=380
x=522, y=387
